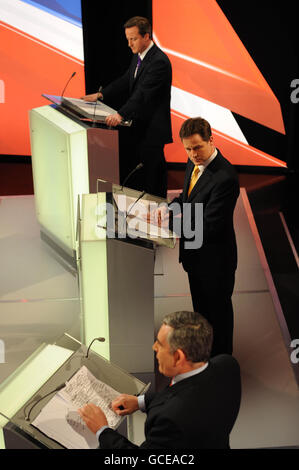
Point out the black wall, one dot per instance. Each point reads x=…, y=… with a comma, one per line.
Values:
x=269, y=31
x=106, y=50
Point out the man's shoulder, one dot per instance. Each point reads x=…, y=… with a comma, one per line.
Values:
x=225, y=362
x=223, y=166
x=156, y=53
x=222, y=160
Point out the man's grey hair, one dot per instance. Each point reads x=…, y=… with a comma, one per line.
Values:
x=191, y=333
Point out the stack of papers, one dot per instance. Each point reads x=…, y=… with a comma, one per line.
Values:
x=60, y=420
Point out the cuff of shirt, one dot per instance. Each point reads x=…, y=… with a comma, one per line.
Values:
x=99, y=432
x=141, y=403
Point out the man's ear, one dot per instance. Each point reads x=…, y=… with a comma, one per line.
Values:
x=180, y=357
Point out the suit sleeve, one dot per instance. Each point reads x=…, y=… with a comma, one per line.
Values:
x=219, y=208
x=110, y=439
x=120, y=86
x=162, y=432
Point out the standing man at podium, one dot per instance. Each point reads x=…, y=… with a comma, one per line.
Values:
x=212, y=181
x=147, y=84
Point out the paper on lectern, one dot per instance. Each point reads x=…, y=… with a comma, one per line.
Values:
x=60, y=420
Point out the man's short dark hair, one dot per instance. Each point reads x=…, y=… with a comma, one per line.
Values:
x=196, y=125
x=191, y=333
x=142, y=24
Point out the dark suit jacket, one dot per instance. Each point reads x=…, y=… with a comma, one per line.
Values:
x=148, y=103
x=196, y=413
x=218, y=190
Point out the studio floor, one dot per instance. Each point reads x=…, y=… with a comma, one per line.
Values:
x=39, y=301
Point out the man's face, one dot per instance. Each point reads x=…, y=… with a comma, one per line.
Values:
x=164, y=357
x=198, y=150
x=136, y=42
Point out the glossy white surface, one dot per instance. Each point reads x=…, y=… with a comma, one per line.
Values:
x=39, y=301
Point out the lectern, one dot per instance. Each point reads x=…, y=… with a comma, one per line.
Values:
x=32, y=384
x=71, y=147
x=117, y=276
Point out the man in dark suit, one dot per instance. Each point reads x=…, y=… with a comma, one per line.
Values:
x=210, y=266
x=145, y=91
x=200, y=407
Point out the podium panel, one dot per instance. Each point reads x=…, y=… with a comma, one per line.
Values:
x=103, y=156
x=60, y=173
x=68, y=155
x=38, y=378
x=117, y=290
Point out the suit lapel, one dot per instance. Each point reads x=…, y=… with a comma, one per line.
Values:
x=147, y=59
x=188, y=174
x=204, y=179
x=133, y=68
x=200, y=184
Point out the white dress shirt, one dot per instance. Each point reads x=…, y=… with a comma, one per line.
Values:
x=204, y=165
x=143, y=54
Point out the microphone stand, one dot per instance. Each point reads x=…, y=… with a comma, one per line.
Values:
x=135, y=202
x=95, y=107
x=101, y=339
x=73, y=74
x=138, y=167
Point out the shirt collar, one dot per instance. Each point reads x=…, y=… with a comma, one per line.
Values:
x=204, y=165
x=143, y=54
x=180, y=377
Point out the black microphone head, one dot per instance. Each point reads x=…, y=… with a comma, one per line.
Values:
x=101, y=339
x=74, y=73
x=140, y=165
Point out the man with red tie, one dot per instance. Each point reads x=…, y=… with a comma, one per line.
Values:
x=200, y=407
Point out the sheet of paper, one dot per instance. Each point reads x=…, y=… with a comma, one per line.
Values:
x=60, y=420
x=89, y=106
x=137, y=217
x=84, y=388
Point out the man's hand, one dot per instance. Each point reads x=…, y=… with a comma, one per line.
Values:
x=92, y=97
x=113, y=120
x=159, y=216
x=125, y=404
x=93, y=417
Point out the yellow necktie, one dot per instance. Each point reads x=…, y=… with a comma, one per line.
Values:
x=193, y=179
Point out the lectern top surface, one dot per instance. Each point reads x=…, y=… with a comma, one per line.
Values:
x=93, y=111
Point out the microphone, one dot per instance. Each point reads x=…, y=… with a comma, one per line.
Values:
x=135, y=202
x=95, y=107
x=140, y=165
x=101, y=339
x=73, y=74
x=27, y=416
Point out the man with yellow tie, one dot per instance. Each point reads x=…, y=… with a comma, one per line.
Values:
x=211, y=180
